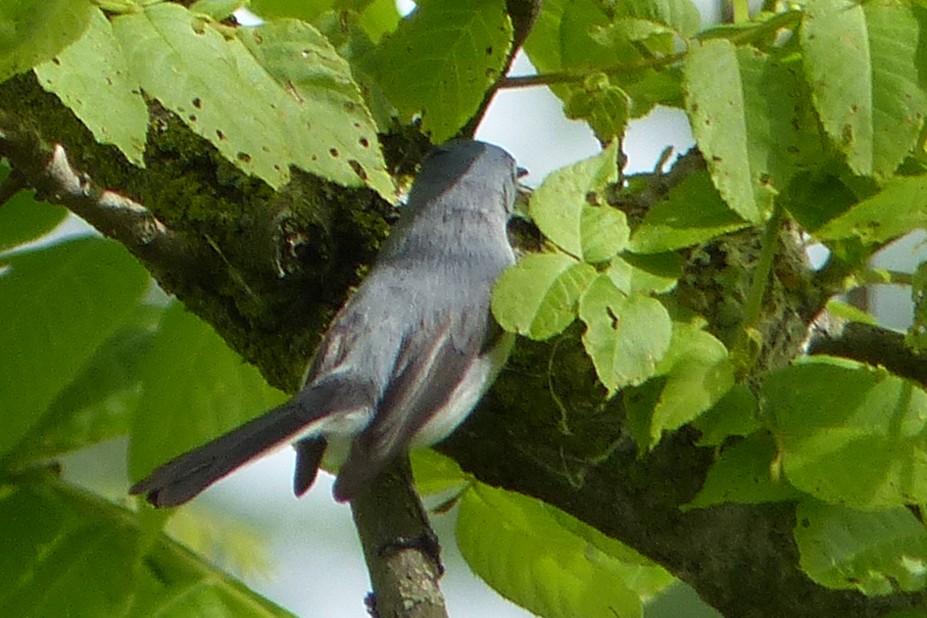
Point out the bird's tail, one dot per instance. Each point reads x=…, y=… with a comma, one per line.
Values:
x=182, y=478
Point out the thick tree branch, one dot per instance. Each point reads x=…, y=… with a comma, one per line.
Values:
x=50, y=173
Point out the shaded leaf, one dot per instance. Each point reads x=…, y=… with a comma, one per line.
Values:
x=744, y=474
x=23, y=218
x=57, y=305
x=691, y=214
x=98, y=404
x=193, y=389
x=67, y=553
x=680, y=15
x=900, y=207
x=603, y=106
x=735, y=414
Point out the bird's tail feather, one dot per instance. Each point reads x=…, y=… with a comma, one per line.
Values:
x=182, y=478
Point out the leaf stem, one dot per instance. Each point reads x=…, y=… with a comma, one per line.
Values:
x=764, y=266
x=787, y=19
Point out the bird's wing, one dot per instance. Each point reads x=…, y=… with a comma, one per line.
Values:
x=430, y=365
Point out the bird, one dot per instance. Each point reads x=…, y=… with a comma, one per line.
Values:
x=406, y=358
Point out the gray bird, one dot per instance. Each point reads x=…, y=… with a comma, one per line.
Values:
x=407, y=357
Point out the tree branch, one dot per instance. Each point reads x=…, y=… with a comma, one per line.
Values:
x=400, y=548
x=50, y=173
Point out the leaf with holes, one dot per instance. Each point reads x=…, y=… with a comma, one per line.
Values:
x=569, y=208
x=441, y=61
x=343, y=144
x=92, y=79
x=33, y=31
x=626, y=336
x=864, y=62
x=751, y=154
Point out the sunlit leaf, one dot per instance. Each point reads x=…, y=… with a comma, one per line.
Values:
x=625, y=335
x=33, y=31
x=537, y=297
x=864, y=63
x=850, y=433
x=875, y=552
x=92, y=79
x=569, y=208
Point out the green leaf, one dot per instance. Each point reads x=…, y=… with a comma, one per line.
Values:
x=98, y=404
x=70, y=554
x=343, y=144
x=537, y=297
x=900, y=207
x=864, y=62
x=750, y=152
x=32, y=31
x=435, y=473
x=877, y=552
x=814, y=199
x=578, y=34
x=603, y=106
x=626, y=336
x=562, y=38
x=217, y=9
x=92, y=79
x=306, y=10
x=698, y=374
x=537, y=557
x=692, y=213
x=734, y=414
x=916, y=337
x=23, y=218
x=567, y=209
x=656, y=273
x=57, y=305
x=441, y=61
x=743, y=474
x=850, y=434
x=379, y=17
x=680, y=15
x=196, y=72
x=193, y=389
